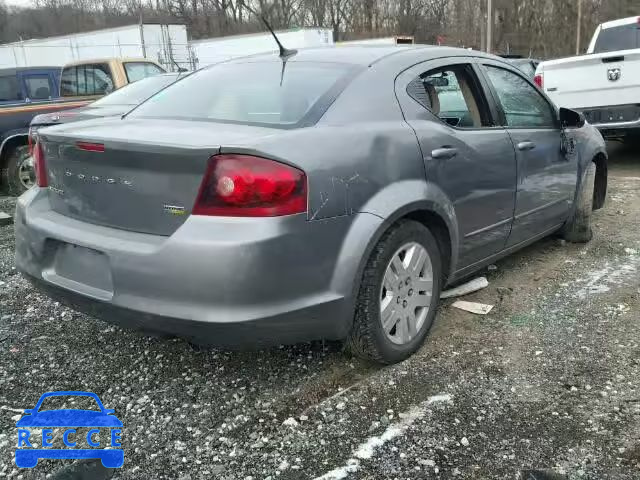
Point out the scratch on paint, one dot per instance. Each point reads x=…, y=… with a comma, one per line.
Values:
x=347, y=182
x=324, y=201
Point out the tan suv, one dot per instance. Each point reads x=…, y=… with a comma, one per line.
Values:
x=95, y=78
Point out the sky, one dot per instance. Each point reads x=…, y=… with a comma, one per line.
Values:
x=20, y=3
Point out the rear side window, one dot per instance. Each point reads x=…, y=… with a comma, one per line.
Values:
x=9, y=89
x=258, y=93
x=522, y=104
x=38, y=87
x=92, y=79
x=138, y=70
x=624, y=37
x=452, y=95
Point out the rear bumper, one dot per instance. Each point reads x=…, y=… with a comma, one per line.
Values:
x=222, y=281
x=614, y=121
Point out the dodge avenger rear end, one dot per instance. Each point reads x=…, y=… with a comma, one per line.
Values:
x=329, y=196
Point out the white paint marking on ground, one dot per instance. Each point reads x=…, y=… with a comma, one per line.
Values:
x=11, y=409
x=366, y=450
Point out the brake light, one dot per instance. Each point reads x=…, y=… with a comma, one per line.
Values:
x=40, y=166
x=539, y=80
x=90, y=147
x=249, y=186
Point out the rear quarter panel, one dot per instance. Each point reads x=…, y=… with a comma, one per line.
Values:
x=363, y=161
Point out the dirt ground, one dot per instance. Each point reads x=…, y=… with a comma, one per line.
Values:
x=545, y=386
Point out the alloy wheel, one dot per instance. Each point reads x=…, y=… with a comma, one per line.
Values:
x=26, y=172
x=406, y=293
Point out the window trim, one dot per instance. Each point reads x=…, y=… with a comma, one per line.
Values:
x=488, y=85
x=468, y=64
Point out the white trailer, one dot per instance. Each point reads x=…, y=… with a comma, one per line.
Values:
x=214, y=50
x=396, y=40
x=163, y=43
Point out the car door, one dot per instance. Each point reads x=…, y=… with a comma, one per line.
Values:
x=466, y=156
x=546, y=175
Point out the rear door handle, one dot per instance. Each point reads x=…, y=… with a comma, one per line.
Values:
x=444, y=153
x=526, y=145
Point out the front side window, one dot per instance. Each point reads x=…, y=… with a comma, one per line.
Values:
x=522, y=104
x=9, y=89
x=37, y=87
x=138, y=70
x=527, y=67
x=452, y=95
x=94, y=79
x=253, y=93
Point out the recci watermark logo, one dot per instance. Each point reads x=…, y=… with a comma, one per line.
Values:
x=63, y=433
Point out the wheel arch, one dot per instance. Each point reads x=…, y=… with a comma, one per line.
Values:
x=377, y=218
x=9, y=142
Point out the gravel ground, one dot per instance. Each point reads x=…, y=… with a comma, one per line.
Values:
x=547, y=382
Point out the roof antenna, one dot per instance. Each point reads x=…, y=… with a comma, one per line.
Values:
x=285, y=53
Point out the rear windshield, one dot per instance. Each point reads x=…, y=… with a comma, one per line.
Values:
x=624, y=37
x=257, y=93
x=138, y=92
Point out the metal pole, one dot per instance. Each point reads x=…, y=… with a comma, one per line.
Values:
x=489, y=25
x=579, y=27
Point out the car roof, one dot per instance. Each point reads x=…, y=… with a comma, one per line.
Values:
x=366, y=55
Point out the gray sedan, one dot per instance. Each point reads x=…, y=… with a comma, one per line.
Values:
x=332, y=195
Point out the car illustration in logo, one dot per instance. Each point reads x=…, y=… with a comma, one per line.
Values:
x=68, y=420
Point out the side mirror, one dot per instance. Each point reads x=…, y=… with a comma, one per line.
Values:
x=28, y=411
x=571, y=118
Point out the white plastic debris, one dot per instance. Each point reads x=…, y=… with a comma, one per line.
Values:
x=473, y=307
x=290, y=422
x=466, y=288
x=5, y=219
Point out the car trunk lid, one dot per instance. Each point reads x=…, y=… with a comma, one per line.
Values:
x=146, y=178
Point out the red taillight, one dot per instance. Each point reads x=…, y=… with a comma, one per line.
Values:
x=248, y=186
x=40, y=166
x=539, y=80
x=90, y=147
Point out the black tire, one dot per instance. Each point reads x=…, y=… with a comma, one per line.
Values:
x=578, y=227
x=11, y=174
x=367, y=338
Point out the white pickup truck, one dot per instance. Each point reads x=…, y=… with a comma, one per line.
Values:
x=604, y=84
